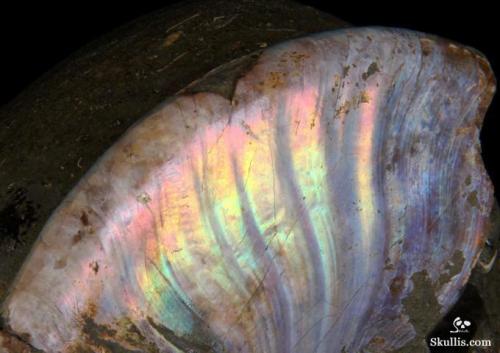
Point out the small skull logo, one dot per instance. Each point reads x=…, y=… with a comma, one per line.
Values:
x=460, y=325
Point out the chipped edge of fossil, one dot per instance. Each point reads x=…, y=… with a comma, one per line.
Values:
x=223, y=79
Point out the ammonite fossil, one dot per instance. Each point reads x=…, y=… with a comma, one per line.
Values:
x=301, y=214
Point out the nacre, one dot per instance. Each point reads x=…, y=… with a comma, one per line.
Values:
x=300, y=215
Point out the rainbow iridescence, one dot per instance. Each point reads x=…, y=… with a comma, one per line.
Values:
x=291, y=219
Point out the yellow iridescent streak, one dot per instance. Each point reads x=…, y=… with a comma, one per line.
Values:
x=308, y=155
x=184, y=259
x=198, y=207
x=200, y=244
x=364, y=152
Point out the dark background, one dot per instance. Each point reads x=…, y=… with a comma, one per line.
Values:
x=37, y=36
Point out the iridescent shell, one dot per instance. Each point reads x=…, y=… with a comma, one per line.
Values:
x=301, y=215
